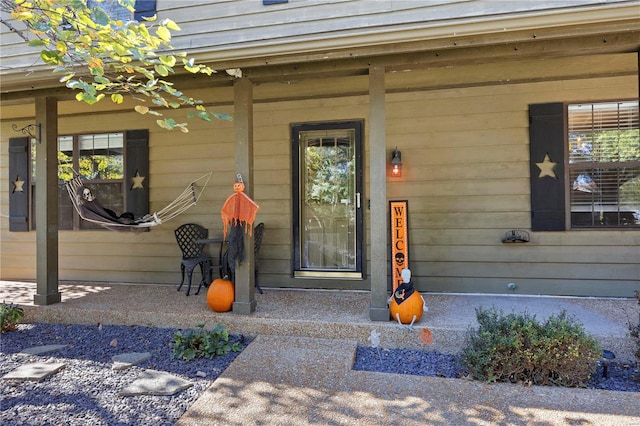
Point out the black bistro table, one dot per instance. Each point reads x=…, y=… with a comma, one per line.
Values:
x=221, y=244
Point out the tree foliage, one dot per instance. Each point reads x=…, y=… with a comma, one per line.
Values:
x=100, y=56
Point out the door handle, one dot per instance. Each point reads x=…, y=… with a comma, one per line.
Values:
x=357, y=200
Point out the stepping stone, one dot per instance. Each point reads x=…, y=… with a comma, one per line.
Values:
x=129, y=359
x=39, y=350
x=35, y=371
x=153, y=382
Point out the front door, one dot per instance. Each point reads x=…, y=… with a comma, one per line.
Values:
x=327, y=200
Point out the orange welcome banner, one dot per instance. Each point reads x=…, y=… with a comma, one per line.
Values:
x=399, y=211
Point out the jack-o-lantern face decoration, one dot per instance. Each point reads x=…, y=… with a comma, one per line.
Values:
x=238, y=187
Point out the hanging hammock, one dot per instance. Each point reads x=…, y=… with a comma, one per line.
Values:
x=91, y=210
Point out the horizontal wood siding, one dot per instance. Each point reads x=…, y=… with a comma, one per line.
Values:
x=465, y=175
x=235, y=27
x=226, y=25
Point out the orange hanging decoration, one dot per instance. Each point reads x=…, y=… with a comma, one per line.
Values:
x=239, y=209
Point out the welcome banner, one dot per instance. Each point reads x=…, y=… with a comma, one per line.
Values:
x=399, y=211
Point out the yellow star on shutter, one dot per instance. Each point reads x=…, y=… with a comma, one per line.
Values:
x=546, y=167
x=137, y=180
x=18, y=184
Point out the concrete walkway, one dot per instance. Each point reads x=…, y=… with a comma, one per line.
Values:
x=282, y=380
x=298, y=368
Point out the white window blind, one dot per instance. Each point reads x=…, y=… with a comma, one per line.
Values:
x=604, y=164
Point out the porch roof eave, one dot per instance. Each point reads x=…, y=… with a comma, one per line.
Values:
x=395, y=48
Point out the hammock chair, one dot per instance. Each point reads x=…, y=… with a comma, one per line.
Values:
x=91, y=210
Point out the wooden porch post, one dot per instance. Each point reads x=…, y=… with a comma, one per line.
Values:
x=378, y=310
x=245, y=300
x=47, y=203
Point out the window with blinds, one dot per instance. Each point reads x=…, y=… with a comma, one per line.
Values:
x=604, y=164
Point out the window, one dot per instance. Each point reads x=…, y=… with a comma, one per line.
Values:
x=143, y=8
x=585, y=166
x=604, y=164
x=98, y=159
x=114, y=165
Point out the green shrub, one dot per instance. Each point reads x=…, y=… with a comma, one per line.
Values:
x=518, y=349
x=10, y=314
x=634, y=332
x=200, y=343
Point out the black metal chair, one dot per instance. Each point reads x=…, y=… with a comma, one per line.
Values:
x=229, y=267
x=193, y=253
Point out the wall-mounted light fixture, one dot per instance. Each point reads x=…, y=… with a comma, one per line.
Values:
x=396, y=163
x=34, y=131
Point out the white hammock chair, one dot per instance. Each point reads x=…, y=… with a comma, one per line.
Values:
x=91, y=210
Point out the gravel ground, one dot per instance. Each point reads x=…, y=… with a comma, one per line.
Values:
x=85, y=392
x=620, y=377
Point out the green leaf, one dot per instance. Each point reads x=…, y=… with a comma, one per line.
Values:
x=100, y=16
x=162, y=70
x=67, y=78
x=163, y=33
x=160, y=101
x=191, y=69
x=204, y=115
x=36, y=43
x=170, y=123
x=129, y=4
x=168, y=60
x=226, y=117
x=101, y=80
x=170, y=24
x=50, y=57
x=117, y=98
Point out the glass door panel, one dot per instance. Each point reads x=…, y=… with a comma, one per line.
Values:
x=328, y=236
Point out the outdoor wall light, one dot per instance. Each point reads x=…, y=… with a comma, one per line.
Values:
x=396, y=163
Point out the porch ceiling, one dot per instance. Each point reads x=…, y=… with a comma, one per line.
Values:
x=611, y=38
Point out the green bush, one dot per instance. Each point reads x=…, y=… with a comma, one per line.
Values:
x=200, y=343
x=634, y=332
x=10, y=314
x=517, y=348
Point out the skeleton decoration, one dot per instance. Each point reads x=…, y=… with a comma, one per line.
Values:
x=87, y=195
x=239, y=209
x=91, y=207
x=238, y=214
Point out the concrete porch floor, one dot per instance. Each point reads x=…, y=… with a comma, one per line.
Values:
x=328, y=314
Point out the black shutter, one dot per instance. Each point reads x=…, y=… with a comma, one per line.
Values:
x=19, y=184
x=144, y=8
x=546, y=140
x=137, y=171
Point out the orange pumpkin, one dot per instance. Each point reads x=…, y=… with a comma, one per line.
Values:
x=221, y=295
x=238, y=186
x=413, y=305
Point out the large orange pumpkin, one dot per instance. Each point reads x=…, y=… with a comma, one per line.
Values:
x=412, y=305
x=221, y=295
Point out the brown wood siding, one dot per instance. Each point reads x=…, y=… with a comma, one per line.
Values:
x=465, y=155
x=228, y=30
